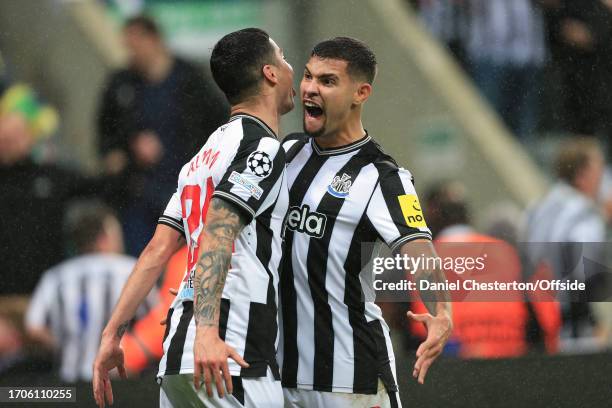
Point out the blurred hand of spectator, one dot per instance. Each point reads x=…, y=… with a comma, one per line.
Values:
x=577, y=34
x=147, y=148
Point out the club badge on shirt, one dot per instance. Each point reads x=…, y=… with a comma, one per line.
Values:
x=340, y=186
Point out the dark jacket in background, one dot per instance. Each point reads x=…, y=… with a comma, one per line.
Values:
x=33, y=198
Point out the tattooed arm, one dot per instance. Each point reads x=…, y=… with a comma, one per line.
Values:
x=165, y=242
x=224, y=221
x=223, y=224
x=438, y=321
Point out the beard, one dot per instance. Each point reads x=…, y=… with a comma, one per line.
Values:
x=313, y=134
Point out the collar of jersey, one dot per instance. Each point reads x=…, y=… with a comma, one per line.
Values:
x=341, y=149
x=254, y=119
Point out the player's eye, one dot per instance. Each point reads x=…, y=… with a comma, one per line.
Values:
x=328, y=82
x=307, y=75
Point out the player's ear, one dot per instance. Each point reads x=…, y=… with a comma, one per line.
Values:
x=362, y=93
x=269, y=72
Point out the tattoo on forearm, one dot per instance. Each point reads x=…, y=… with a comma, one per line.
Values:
x=121, y=329
x=223, y=224
x=431, y=297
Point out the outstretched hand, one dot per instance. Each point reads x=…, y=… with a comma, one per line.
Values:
x=210, y=358
x=438, y=331
x=109, y=356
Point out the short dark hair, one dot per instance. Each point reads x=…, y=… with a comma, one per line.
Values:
x=236, y=62
x=445, y=205
x=145, y=23
x=574, y=155
x=84, y=222
x=361, y=61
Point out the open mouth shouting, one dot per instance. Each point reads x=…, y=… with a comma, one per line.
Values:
x=313, y=116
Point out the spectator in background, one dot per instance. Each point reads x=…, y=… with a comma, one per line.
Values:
x=491, y=329
x=580, y=32
x=506, y=51
x=32, y=195
x=446, y=20
x=74, y=299
x=152, y=116
x=571, y=221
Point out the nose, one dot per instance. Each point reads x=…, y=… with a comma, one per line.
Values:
x=309, y=88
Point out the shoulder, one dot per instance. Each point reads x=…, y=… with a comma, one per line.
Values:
x=386, y=165
x=293, y=143
x=254, y=130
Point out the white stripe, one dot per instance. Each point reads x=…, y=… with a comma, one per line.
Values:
x=298, y=162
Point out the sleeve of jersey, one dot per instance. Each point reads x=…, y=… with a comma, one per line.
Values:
x=395, y=211
x=173, y=216
x=254, y=178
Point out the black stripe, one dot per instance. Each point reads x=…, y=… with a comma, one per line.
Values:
x=239, y=162
x=170, y=222
x=384, y=363
x=295, y=148
x=175, y=351
x=365, y=380
x=223, y=316
x=168, y=324
x=391, y=188
x=288, y=293
x=238, y=392
x=316, y=265
x=260, y=347
x=253, y=133
x=393, y=397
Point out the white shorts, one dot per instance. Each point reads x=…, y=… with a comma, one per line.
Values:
x=297, y=398
x=177, y=391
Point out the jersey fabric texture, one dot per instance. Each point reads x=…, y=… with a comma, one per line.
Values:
x=242, y=163
x=178, y=391
x=340, y=198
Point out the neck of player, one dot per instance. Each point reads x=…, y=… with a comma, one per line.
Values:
x=262, y=109
x=350, y=131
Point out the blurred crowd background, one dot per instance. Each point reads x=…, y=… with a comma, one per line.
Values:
x=72, y=222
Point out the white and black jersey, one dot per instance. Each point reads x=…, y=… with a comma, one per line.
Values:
x=338, y=199
x=242, y=162
x=74, y=300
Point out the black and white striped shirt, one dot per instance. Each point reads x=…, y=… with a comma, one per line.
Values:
x=339, y=198
x=74, y=300
x=242, y=162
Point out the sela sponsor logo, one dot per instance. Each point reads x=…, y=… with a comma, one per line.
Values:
x=239, y=180
x=206, y=158
x=411, y=209
x=300, y=219
x=340, y=186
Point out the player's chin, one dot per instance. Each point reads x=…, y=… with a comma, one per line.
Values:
x=288, y=106
x=313, y=129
